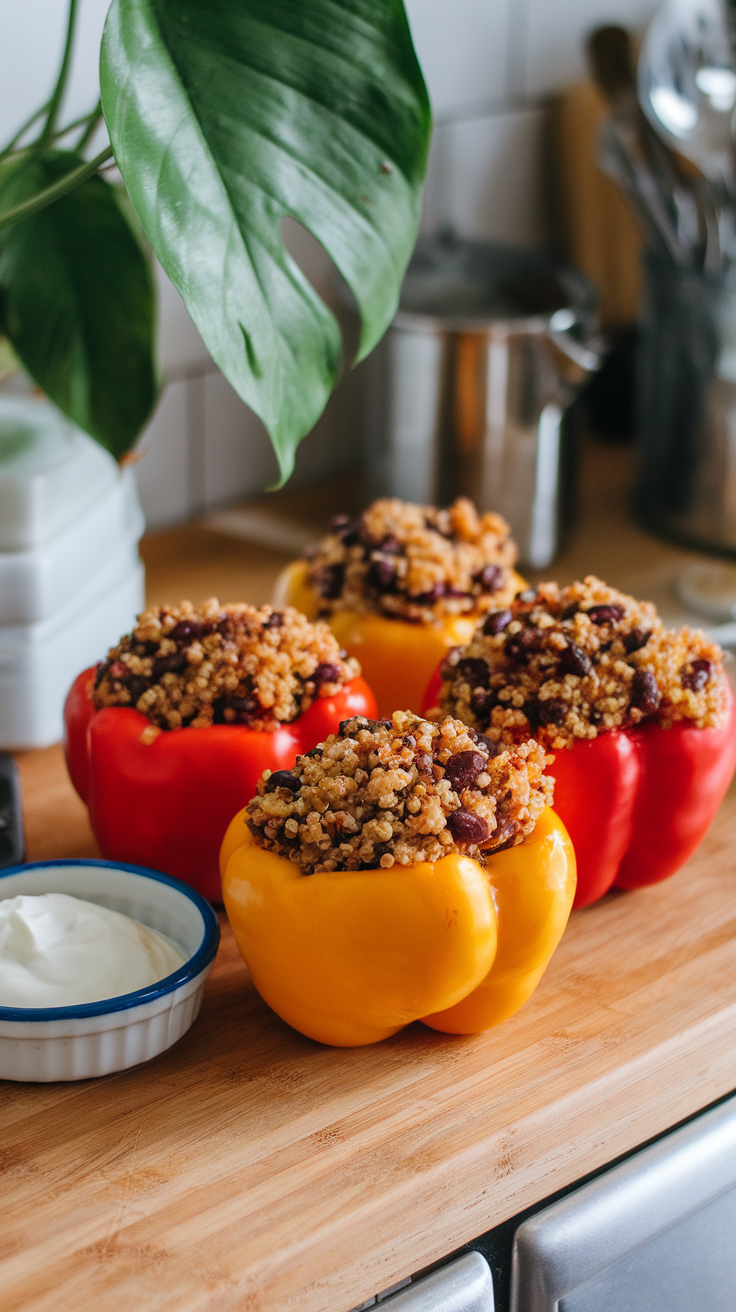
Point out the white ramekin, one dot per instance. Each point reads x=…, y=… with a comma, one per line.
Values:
x=95, y=1038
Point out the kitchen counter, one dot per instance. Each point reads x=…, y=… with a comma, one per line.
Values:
x=250, y=1168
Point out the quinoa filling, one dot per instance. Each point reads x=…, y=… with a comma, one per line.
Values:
x=182, y=666
x=414, y=563
x=395, y=792
x=561, y=664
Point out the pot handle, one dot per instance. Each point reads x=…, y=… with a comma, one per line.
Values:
x=560, y=324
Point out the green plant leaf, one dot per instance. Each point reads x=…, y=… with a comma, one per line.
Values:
x=226, y=115
x=77, y=300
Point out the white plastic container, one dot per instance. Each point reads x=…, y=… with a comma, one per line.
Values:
x=96, y=1038
x=39, y=662
x=37, y=583
x=50, y=473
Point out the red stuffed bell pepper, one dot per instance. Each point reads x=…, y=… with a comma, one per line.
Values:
x=171, y=734
x=641, y=720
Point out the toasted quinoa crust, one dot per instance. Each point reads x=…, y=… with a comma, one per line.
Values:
x=562, y=664
x=414, y=563
x=183, y=666
x=395, y=792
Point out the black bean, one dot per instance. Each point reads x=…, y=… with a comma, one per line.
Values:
x=172, y=664
x=187, y=631
x=283, y=779
x=490, y=578
x=463, y=769
x=496, y=621
x=429, y=598
x=136, y=686
x=325, y=673
x=503, y=836
x=274, y=621
x=493, y=748
x=573, y=660
x=700, y=673
x=473, y=670
x=381, y=575
x=330, y=581
x=606, y=614
x=482, y=703
x=391, y=547
x=637, y=639
x=553, y=711
x=520, y=646
x=645, y=693
x=466, y=827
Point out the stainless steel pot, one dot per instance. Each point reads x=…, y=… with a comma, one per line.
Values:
x=470, y=388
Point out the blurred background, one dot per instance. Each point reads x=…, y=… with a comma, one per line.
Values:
x=513, y=159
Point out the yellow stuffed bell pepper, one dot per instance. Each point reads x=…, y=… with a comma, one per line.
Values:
x=351, y=956
x=401, y=585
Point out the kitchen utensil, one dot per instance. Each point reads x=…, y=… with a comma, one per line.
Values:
x=687, y=405
x=632, y=153
x=95, y=1038
x=469, y=391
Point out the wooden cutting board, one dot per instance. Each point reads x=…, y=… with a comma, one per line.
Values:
x=249, y=1168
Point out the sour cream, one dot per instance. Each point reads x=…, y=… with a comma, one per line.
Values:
x=58, y=951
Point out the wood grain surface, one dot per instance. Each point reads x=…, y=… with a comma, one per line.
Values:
x=250, y=1168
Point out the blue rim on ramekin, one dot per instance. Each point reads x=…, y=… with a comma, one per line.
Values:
x=205, y=953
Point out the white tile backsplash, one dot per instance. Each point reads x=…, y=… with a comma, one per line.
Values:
x=162, y=472
x=555, y=36
x=489, y=177
x=238, y=457
x=462, y=47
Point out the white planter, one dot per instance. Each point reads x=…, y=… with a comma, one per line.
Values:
x=71, y=581
x=50, y=473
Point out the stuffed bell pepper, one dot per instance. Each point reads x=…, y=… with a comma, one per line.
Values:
x=401, y=584
x=169, y=734
x=400, y=871
x=641, y=720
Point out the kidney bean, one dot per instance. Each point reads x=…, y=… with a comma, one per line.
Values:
x=482, y=703
x=605, y=614
x=490, y=578
x=381, y=575
x=699, y=674
x=474, y=671
x=520, y=646
x=169, y=664
x=645, y=693
x=330, y=581
x=466, y=827
x=573, y=660
x=283, y=779
x=637, y=639
x=463, y=768
x=496, y=621
x=553, y=711
x=326, y=674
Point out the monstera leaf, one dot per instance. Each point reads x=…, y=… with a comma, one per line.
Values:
x=77, y=300
x=226, y=115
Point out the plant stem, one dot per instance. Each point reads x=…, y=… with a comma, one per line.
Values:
x=93, y=121
x=58, y=92
x=8, y=150
x=55, y=191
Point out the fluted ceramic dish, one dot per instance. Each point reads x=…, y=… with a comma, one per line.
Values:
x=96, y=1038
